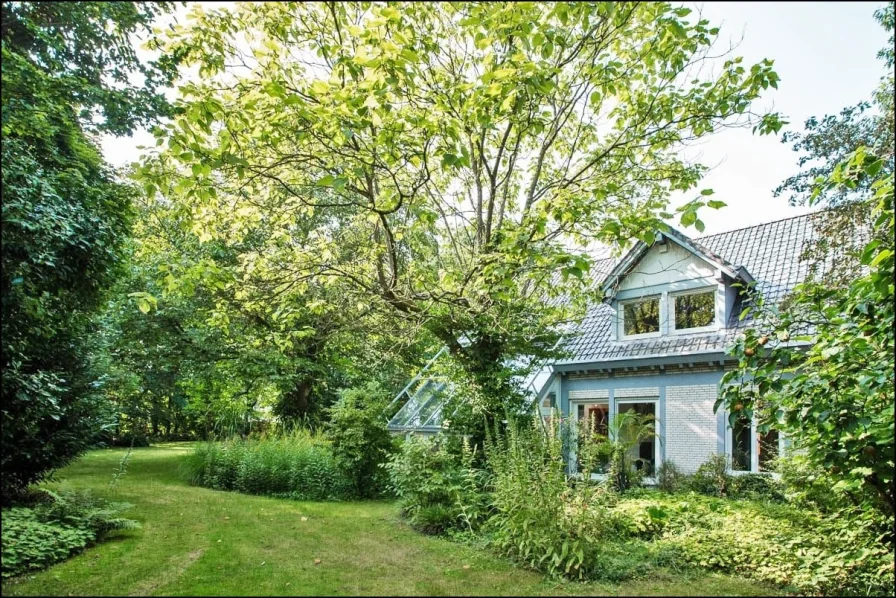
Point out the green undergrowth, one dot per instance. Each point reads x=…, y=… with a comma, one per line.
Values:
x=525, y=507
x=52, y=526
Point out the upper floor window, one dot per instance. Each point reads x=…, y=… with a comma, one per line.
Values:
x=695, y=310
x=641, y=317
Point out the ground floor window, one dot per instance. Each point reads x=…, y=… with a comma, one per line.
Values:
x=636, y=428
x=750, y=449
x=594, y=426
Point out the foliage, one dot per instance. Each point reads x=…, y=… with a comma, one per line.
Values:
x=539, y=518
x=806, y=484
x=298, y=465
x=450, y=155
x=195, y=343
x=669, y=478
x=834, y=555
x=227, y=531
x=65, y=219
x=627, y=431
x=834, y=397
x=36, y=536
x=361, y=443
x=439, y=488
x=712, y=477
x=756, y=486
x=85, y=57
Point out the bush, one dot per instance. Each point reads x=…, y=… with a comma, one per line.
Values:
x=361, y=442
x=298, y=465
x=440, y=490
x=756, y=486
x=807, y=485
x=540, y=519
x=529, y=509
x=54, y=527
x=669, y=478
x=711, y=478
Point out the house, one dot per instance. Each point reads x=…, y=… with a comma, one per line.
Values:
x=656, y=344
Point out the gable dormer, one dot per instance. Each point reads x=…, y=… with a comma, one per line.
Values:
x=672, y=287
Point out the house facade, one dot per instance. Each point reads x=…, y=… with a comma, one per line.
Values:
x=656, y=344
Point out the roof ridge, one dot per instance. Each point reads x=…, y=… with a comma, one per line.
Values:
x=734, y=230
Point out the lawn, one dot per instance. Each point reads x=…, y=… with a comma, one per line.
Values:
x=196, y=541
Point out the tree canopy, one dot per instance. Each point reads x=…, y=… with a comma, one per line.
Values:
x=455, y=158
x=66, y=219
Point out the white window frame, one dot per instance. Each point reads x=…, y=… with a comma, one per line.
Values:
x=657, y=453
x=613, y=409
x=754, y=449
x=698, y=291
x=660, y=311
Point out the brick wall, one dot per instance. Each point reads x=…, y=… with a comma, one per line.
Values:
x=637, y=393
x=691, y=426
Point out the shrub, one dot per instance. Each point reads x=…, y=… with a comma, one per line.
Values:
x=711, y=478
x=440, y=490
x=539, y=518
x=298, y=465
x=55, y=527
x=669, y=478
x=756, y=486
x=807, y=485
x=361, y=442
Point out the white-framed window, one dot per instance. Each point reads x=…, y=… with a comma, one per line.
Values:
x=750, y=451
x=640, y=317
x=693, y=310
x=644, y=452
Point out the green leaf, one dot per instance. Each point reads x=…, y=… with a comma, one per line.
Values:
x=874, y=168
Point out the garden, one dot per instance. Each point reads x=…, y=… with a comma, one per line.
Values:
x=203, y=345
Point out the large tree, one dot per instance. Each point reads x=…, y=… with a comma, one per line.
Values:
x=65, y=220
x=822, y=145
x=834, y=398
x=457, y=152
x=216, y=336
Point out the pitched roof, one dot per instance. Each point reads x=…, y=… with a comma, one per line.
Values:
x=631, y=259
x=769, y=252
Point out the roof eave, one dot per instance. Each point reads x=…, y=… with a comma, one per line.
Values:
x=640, y=360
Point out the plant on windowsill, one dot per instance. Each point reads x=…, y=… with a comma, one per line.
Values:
x=611, y=453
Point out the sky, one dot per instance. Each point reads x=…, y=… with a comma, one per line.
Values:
x=825, y=54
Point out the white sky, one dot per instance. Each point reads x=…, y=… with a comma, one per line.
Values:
x=825, y=54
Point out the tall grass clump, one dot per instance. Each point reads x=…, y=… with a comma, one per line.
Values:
x=298, y=464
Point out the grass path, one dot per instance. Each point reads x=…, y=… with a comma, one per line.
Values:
x=196, y=541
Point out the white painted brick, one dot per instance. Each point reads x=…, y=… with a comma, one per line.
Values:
x=589, y=394
x=691, y=426
x=631, y=393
